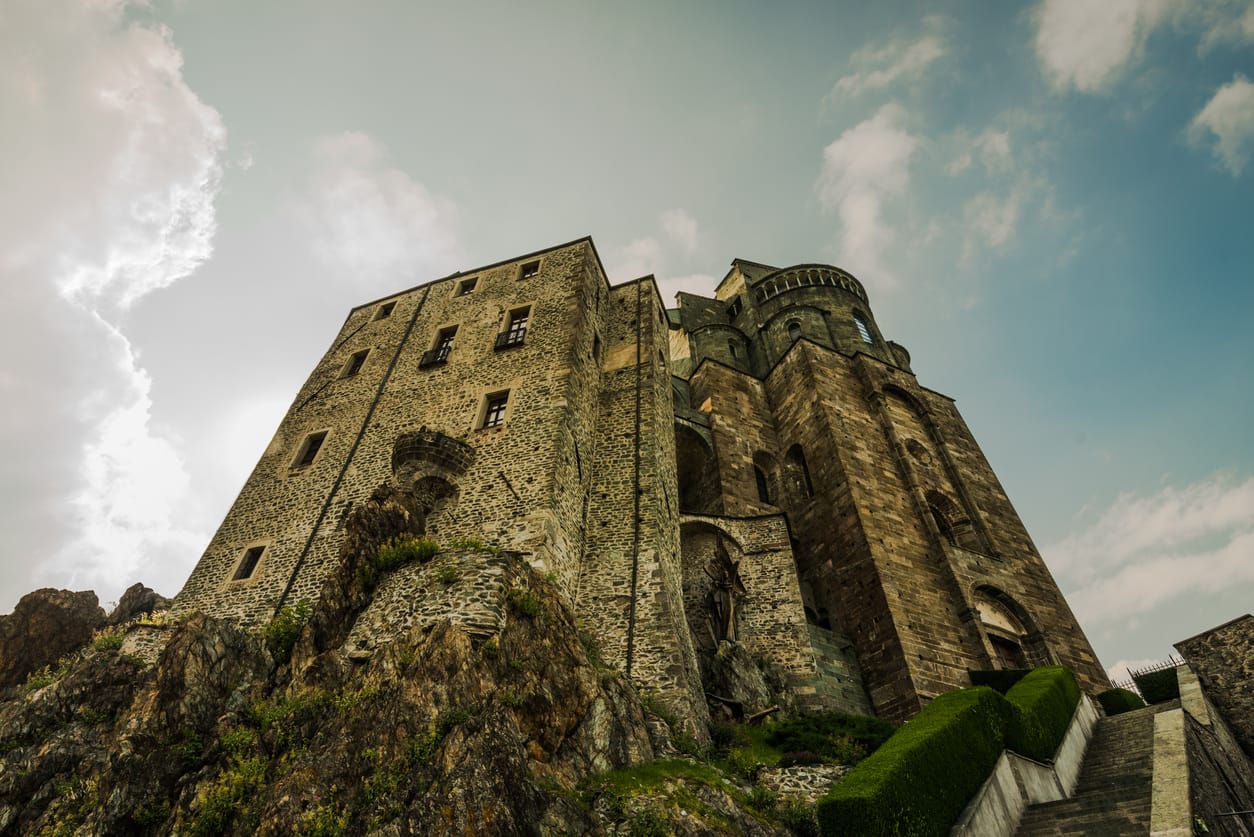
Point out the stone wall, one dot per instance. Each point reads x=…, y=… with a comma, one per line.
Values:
x=1223, y=660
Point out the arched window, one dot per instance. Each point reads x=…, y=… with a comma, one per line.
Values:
x=764, y=488
x=863, y=331
x=1006, y=624
x=731, y=347
x=794, y=331
x=795, y=462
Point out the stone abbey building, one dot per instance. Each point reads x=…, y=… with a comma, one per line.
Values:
x=761, y=466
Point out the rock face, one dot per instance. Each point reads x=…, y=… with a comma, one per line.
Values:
x=45, y=624
x=437, y=732
x=138, y=600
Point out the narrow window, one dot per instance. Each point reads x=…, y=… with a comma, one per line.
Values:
x=733, y=310
x=466, y=286
x=309, y=449
x=529, y=270
x=794, y=331
x=355, y=363
x=248, y=564
x=385, y=310
x=764, y=490
x=862, y=329
x=440, y=350
x=596, y=347
x=494, y=409
x=515, y=329
x=731, y=347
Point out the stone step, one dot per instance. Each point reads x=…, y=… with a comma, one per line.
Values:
x=1113, y=796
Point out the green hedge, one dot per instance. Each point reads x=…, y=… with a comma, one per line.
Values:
x=1044, y=702
x=1003, y=680
x=1118, y=701
x=1158, y=686
x=919, y=781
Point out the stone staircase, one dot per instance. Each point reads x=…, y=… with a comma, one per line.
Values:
x=1114, y=794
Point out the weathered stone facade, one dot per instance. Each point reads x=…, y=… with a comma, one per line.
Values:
x=762, y=467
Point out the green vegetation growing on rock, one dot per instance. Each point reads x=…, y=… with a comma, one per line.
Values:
x=393, y=554
x=834, y=736
x=281, y=632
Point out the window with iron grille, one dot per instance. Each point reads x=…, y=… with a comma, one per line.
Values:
x=515, y=330
x=248, y=564
x=494, y=409
x=440, y=351
x=863, y=331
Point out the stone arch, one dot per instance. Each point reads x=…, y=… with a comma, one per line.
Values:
x=766, y=477
x=1009, y=630
x=697, y=472
x=954, y=526
x=798, y=473
x=707, y=549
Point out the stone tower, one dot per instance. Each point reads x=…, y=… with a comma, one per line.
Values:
x=760, y=467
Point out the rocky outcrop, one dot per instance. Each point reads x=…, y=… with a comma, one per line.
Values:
x=45, y=625
x=137, y=601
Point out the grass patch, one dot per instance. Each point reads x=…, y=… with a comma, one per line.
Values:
x=228, y=801
x=524, y=602
x=393, y=554
x=837, y=737
x=107, y=640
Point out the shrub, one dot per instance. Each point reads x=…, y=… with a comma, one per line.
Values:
x=797, y=816
x=835, y=736
x=393, y=554
x=919, y=781
x=1003, y=680
x=284, y=629
x=802, y=757
x=1118, y=701
x=107, y=640
x=1158, y=686
x=1044, y=702
x=524, y=602
x=229, y=798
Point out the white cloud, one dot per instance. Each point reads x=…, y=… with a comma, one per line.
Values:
x=862, y=169
x=989, y=221
x=639, y=258
x=374, y=221
x=693, y=283
x=1086, y=45
x=681, y=228
x=110, y=197
x=1120, y=671
x=1146, y=550
x=1229, y=118
x=880, y=66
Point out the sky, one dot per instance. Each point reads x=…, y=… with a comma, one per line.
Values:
x=1051, y=205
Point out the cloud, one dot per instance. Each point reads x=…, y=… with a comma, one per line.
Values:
x=1229, y=118
x=110, y=198
x=681, y=228
x=1120, y=671
x=864, y=167
x=373, y=221
x=880, y=66
x=639, y=258
x=990, y=221
x=1145, y=550
x=1086, y=45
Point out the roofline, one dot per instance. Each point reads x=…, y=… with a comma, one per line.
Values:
x=746, y=261
x=481, y=268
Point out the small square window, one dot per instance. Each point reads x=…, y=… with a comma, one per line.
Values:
x=440, y=351
x=529, y=270
x=248, y=564
x=385, y=310
x=466, y=286
x=355, y=363
x=515, y=329
x=309, y=449
x=494, y=409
